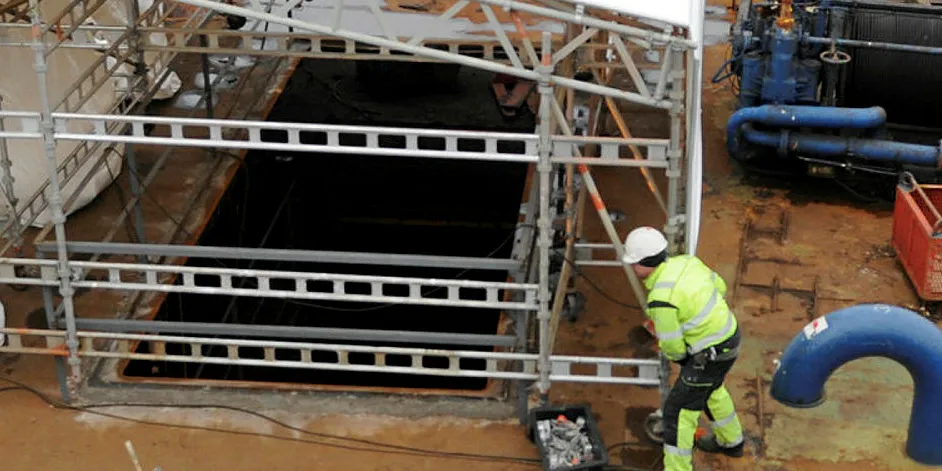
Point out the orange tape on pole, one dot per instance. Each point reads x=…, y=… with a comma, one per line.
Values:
x=519, y=24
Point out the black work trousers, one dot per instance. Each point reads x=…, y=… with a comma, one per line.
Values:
x=699, y=388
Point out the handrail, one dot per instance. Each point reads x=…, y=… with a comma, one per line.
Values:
x=908, y=183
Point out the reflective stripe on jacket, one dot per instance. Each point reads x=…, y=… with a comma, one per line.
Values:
x=686, y=302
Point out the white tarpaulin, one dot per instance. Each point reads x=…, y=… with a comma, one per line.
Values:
x=695, y=127
x=675, y=12
x=20, y=91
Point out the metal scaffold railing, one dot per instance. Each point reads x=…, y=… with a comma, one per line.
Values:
x=581, y=51
x=324, y=356
x=273, y=284
x=297, y=137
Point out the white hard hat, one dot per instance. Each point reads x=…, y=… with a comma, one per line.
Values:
x=642, y=243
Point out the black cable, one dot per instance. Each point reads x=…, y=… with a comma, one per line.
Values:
x=622, y=467
x=623, y=445
x=132, y=235
x=856, y=194
x=594, y=285
x=652, y=466
x=392, y=449
x=163, y=209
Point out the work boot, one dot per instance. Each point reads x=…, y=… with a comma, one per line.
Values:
x=710, y=445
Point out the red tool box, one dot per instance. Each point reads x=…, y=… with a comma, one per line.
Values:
x=917, y=235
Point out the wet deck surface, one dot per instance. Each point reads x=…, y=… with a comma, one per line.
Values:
x=830, y=236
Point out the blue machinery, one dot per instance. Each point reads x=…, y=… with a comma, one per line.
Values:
x=817, y=81
x=870, y=330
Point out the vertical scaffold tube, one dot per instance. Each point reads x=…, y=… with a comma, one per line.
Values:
x=55, y=198
x=604, y=216
x=544, y=168
x=139, y=87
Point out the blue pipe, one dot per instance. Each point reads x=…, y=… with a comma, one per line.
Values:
x=801, y=116
x=824, y=145
x=821, y=24
x=780, y=84
x=870, y=330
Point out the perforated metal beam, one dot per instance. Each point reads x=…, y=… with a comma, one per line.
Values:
x=292, y=332
x=497, y=365
x=301, y=256
x=316, y=46
x=334, y=139
x=287, y=285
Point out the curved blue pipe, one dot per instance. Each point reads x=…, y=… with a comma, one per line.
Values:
x=870, y=330
x=870, y=149
x=801, y=116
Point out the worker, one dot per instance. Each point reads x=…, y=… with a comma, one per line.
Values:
x=695, y=329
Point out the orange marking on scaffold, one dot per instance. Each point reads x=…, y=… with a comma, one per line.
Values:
x=519, y=24
x=60, y=351
x=597, y=201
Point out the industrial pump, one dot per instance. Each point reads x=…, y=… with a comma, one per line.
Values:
x=836, y=88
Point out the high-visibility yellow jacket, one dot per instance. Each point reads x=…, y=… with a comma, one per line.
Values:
x=686, y=302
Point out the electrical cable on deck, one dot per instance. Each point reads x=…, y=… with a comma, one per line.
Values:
x=377, y=447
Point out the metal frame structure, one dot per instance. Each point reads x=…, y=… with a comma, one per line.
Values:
x=596, y=43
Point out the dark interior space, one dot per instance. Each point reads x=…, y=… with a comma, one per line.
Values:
x=359, y=203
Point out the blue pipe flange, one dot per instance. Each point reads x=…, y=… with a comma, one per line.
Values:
x=783, y=143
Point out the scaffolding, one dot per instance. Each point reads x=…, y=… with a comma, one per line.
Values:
x=573, y=56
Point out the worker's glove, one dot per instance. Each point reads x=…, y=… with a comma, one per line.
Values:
x=683, y=361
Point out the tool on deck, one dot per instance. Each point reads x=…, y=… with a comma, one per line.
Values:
x=130, y=448
x=568, y=438
x=133, y=455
